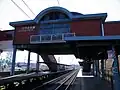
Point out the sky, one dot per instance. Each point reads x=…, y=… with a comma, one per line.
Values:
x=10, y=13
x=22, y=56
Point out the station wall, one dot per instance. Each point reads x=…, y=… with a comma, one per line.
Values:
x=22, y=34
x=86, y=27
x=6, y=35
x=112, y=28
x=81, y=28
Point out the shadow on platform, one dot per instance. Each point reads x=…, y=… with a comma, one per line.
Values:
x=90, y=83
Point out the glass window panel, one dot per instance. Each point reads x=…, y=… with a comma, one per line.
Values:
x=57, y=37
x=46, y=38
x=35, y=38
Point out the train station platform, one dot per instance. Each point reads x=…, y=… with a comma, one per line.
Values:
x=89, y=82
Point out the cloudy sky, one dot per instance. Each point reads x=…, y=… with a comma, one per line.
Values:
x=9, y=12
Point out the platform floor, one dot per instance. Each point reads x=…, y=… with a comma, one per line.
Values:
x=90, y=82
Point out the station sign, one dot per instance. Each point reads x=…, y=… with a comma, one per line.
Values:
x=26, y=29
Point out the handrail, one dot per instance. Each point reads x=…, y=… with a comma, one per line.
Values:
x=50, y=37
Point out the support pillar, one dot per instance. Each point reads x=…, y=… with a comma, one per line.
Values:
x=102, y=67
x=13, y=61
x=105, y=65
x=115, y=70
x=97, y=67
x=28, y=64
x=94, y=68
x=37, y=63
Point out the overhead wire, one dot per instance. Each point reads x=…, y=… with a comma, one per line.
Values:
x=28, y=7
x=58, y=2
x=21, y=9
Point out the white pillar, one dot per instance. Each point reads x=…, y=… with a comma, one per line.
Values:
x=103, y=33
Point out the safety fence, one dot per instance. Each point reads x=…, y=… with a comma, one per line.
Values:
x=45, y=38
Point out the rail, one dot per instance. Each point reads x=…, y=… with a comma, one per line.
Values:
x=28, y=81
x=60, y=83
x=50, y=38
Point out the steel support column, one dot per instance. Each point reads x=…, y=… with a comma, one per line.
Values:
x=96, y=67
x=94, y=72
x=13, y=61
x=28, y=64
x=37, y=63
x=99, y=67
x=102, y=67
x=105, y=66
x=115, y=70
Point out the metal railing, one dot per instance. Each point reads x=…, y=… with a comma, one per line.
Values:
x=47, y=38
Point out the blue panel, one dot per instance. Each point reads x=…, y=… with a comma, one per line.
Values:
x=55, y=31
x=92, y=38
x=54, y=28
x=46, y=31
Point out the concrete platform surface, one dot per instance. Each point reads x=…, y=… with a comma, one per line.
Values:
x=90, y=83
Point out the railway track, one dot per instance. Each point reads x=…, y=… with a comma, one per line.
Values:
x=60, y=83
